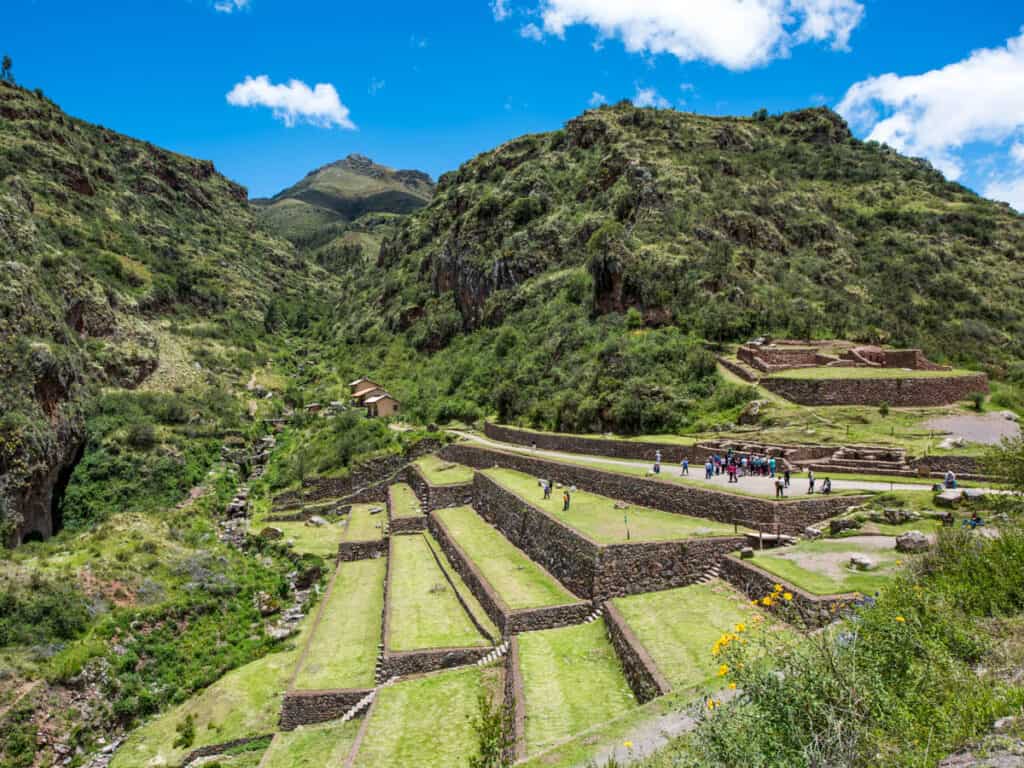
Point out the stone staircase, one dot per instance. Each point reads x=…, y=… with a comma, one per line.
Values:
x=865, y=461
x=367, y=700
x=711, y=573
x=494, y=655
x=594, y=616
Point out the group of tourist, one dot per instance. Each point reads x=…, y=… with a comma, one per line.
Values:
x=736, y=465
x=566, y=498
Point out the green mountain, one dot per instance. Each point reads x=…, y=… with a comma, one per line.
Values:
x=342, y=192
x=122, y=266
x=553, y=278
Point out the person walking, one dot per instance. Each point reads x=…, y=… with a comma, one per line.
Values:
x=785, y=477
x=771, y=466
x=565, y=500
x=657, y=462
x=810, y=481
x=779, y=494
x=685, y=464
x=547, y=489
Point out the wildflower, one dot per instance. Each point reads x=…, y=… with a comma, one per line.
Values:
x=712, y=704
x=741, y=627
x=777, y=588
x=627, y=744
x=723, y=670
x=788, y=596
x=766, y=601
x=732, y=686
x=900, y=619
x=899, y=562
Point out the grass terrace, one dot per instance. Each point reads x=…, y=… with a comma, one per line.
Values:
x=437, y=471
x=310, y=539
x=597, y=517
x=343, y=648
x=246, y=702
x=823, y=373
x=312, y=746
x=404, y=502
x=679, y=626
x=425, y=613
x=520, y=581
x=426, y=722
x=823, y=567
x=572, y=680
x=363, y=525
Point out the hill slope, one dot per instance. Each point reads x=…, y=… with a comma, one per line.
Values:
x=118, y=260
x=540, y=270
x=342, y=192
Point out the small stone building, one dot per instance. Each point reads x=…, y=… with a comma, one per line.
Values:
x=381, y=406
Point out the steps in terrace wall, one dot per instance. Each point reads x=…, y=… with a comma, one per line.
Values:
x=494, y=655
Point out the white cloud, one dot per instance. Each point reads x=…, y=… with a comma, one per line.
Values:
x=500, y=10
x=1017, y=152
x=293, y=103
x=597, y=99
x=649, y=97
x=977, y=99
x=532, y=32
x=1008, y=190
x=230, y=6
x=737, y=34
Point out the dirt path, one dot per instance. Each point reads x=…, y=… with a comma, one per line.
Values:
x=23, y=691
x=762, y=486
x=987, y=428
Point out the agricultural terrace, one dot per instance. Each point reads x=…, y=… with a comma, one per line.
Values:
x=823, y=567
x=343, y=647
x=572, y=680
x=404, y=502
x=679, y=626
x=246, y=702
x=311, y=746
x=362, y=524
x=437, y=471
x=426, y=722
x=823, y=373
x=520, y=581
x=308, y=539
x=424, y=611
x=599, y=518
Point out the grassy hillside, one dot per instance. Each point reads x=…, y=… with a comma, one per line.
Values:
x=340, y=193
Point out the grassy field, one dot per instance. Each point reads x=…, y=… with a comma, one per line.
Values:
x=312, y=746
x=822, y=567
x=520, y=581
x=596, y=516
x=343, y=649
x=404, y=502
x=437, y=471
x=362, y=525
x=426, y=722
x=425, y=613
x=864, y=373
x=679, y=626
x=310, y=539
x=245, y=702
x=572, y=681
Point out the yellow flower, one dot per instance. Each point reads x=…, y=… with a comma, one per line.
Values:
x=741, y=627
x=777, y=588
x=766, y=601
x=899, y=562
x=900, y=619
x=712, y=703
x=627, y=744
x=788, y=596
x=732, y=686
x=723, y=670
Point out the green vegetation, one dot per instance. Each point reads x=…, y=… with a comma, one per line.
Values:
x=342, y=651
x=864, y=373
x=599, y=518
x=321, y=541
x=425, y=613
x=404, y=502
x=437, y=471
x=312, y=746
x=823, y=567
x=572, y=680
x=679, y=626
x=520, y=581
x=241, y=704
x=363, y=525
x=426, y=722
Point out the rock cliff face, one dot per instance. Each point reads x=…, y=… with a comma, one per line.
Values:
x=101, y=238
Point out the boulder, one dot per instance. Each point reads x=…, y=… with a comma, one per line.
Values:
x=899, y=516
x=912, y=541
x=270, y=533
x=861, y=563
x=835, y=527
x=316, y=521
x=751, y=414
x=747, y=553
x=948, y=498
x=812, y=533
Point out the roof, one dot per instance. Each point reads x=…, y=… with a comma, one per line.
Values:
x=363, y=392
x=359, y=381
x=378, y=398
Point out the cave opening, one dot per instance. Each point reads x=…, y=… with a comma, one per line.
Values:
x=60, y=487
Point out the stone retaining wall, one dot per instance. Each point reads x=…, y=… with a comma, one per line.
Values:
x=791, y=516
x=515, y=701
x=220, y=749
x=641, y=672
x=806, y=608
x=744, y=373
x=917, y=392
x=349, y=551
x=406, y=525
x=629, y=569
x=310, y=707
x=438, y=496
x=430, y=660
x=961, y=465
x=619, y=449
x=458, y=595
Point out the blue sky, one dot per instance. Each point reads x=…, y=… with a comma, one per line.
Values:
x=427, y=86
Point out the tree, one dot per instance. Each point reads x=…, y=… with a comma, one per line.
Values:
x=493, y=726
x=5, y=70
